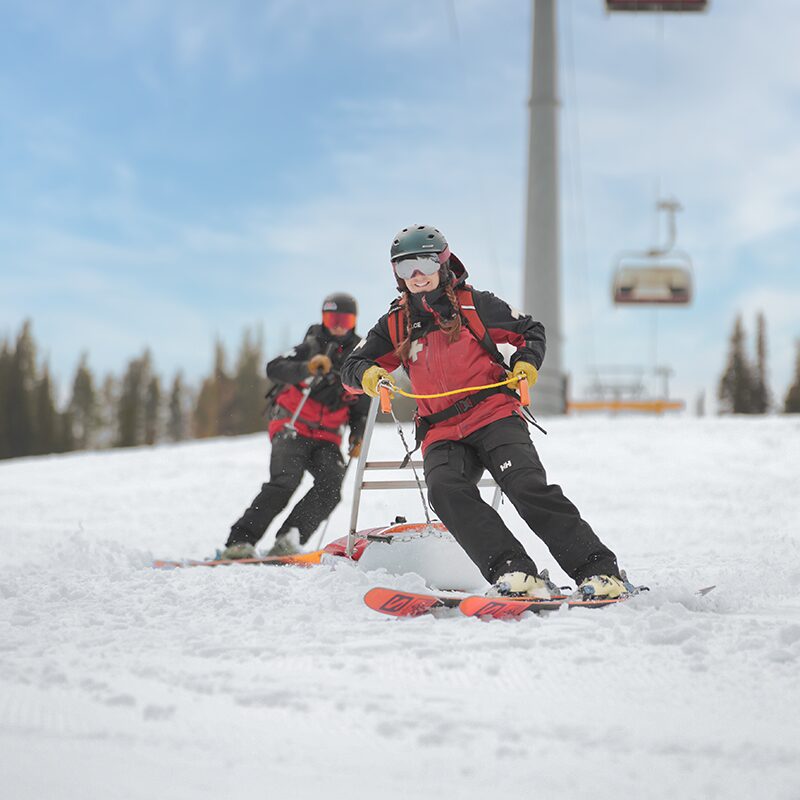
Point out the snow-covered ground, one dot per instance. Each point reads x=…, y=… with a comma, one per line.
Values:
x=121, y=681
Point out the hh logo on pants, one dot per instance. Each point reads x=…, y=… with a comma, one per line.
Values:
x=504, y=466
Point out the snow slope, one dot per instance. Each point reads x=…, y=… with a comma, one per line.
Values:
x=120, y=681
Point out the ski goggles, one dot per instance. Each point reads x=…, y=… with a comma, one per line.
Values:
x=427, y=264
x=338, y=319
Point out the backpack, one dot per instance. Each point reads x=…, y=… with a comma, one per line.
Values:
x=469, y=316
x=272, y=392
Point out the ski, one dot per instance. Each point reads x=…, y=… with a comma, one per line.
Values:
x=408, y=604
x=506, y=607
x=397, y=603
x=299, y=560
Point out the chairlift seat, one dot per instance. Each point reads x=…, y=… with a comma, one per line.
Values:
x=661, y=275
x=647, y=284
x=656, y=5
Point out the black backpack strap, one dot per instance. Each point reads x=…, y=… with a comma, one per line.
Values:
x=477, y=327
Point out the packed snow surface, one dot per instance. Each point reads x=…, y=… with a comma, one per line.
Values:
x=121, y=681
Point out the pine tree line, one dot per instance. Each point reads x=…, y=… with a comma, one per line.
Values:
x=743, y=386
x=137, y=409
x=127, y=411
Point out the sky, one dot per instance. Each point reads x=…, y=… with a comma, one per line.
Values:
x=177, y=172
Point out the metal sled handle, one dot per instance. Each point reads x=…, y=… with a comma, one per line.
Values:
x=363, y=465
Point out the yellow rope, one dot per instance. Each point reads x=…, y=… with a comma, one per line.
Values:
x=394, y=388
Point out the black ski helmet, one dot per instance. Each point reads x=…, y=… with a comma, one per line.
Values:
x=418, y=239
x=341, y=303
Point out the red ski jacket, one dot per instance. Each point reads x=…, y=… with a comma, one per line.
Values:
x=435, y=365
x=316, y=421
x=329, y=406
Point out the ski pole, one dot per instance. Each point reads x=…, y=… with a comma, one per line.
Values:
x=306, y=392
x=290, y=424
x=325, y=527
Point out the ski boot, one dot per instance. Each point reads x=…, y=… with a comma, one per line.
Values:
x=603, y=587
x=286, y=544
x=238, y=550
x=520, y=584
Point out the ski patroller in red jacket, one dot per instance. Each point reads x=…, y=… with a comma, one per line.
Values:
x=436, y=365
x=329, y=406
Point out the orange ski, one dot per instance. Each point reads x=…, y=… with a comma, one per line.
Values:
x=407, y=604
x=300, y=560
x=505, y=607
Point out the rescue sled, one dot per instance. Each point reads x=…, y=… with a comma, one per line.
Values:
x=425, y=548
x=414, y=544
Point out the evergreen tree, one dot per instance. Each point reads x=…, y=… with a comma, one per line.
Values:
x=250, y=384
x=152, y=411
x=204, y=419
x=761, y=394
x=84, y=412
x=107, y=405
x=791, y=403
x=30, y=423
x=20, y=395
x=65, y=441
x=736, y=386
x=214, y=412
x=176, y=423
x=46, y=431
x=226, y=394
x=5, y=378
x=132, y=402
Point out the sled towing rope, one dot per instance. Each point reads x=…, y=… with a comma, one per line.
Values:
x=386, y=406
x=386, y=388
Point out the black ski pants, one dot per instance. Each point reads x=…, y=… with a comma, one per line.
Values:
x=291, y=457
x=504, y=448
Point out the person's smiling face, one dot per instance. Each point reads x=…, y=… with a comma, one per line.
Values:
x=418, y=282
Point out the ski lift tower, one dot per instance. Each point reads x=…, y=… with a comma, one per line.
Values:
x=542, y=276
x=542, y=280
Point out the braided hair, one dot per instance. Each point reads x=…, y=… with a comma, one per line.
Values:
x=451, y=326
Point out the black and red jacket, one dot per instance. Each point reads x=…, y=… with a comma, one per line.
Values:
x=436, y=365
x=329, y=406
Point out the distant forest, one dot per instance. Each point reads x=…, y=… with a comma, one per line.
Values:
x=743, y=387
x=137, y=408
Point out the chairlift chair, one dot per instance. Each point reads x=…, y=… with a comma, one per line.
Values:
x=656, y=5
x=645, y=279
x=657, y=276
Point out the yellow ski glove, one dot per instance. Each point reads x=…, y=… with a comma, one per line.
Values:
x=371, y=378
x=531, y=373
